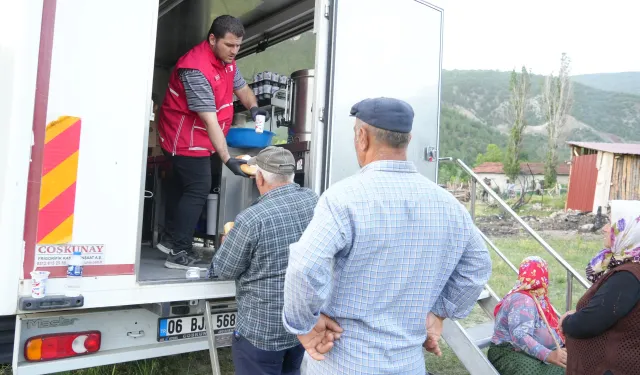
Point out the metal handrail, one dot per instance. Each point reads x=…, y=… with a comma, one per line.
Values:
x=500, y=254
x=571, y=272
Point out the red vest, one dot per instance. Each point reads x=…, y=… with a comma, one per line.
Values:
x=180, y=130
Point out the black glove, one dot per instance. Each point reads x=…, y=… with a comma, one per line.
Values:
x=234, y=166
x=259, y=111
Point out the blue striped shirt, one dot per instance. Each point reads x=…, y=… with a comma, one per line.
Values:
x=384, y=248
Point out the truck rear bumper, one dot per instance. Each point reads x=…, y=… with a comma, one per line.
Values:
x=127, y=334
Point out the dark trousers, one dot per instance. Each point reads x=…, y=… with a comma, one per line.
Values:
x=187, y=191
x=249, y=360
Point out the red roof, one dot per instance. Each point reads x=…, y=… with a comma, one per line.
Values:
x=614, y=148
x=526, y=168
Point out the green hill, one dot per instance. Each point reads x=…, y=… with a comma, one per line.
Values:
x=626, y=82
x=610, y=116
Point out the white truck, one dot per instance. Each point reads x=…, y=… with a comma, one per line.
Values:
x=75, y=105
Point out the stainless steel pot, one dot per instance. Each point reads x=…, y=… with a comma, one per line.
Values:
x=301, y=104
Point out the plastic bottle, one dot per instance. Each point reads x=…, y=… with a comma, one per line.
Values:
x=74, y=275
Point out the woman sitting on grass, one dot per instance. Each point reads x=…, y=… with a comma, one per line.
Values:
x=526, y=340
x=603, y=337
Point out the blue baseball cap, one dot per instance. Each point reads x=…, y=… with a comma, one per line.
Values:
x=385, y=113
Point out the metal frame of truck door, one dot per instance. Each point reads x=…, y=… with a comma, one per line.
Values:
x=424, y=94
x=322, y=70
x=275, y=28
x=39, y=125
x=143, y=174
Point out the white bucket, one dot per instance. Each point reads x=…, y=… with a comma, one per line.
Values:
x=212, y=214
x=39, y=283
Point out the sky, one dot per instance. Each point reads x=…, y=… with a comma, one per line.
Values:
x=505, y=34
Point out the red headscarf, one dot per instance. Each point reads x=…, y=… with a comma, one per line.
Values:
x=533, y=280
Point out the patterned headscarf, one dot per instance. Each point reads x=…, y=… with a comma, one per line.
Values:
x=625, y=247
x=533, y=280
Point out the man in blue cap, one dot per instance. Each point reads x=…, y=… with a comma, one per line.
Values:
x=386, y=250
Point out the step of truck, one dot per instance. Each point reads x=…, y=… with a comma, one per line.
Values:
x=484, y=295
x=464, y=343
x=481, y=334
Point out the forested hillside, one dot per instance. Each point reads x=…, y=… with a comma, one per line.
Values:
x=627, y=82
x=600, y=115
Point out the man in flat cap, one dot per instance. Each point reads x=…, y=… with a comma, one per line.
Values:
x=255, y=255
x=386, y=250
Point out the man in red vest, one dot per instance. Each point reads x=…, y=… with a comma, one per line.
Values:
x=193, y=121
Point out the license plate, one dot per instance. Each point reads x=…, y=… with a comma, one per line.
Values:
x=187, y=327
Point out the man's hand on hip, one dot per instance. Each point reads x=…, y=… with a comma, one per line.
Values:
x=320, y=340
x=234, y=166
x=434, y=332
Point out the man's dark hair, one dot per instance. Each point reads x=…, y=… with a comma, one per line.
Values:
x=226, y=24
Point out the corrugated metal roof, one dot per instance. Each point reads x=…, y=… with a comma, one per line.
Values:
x=615, y=148
x=526, y=168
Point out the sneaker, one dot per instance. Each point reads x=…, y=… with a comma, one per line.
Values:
x=184, y=260
x=165, y=247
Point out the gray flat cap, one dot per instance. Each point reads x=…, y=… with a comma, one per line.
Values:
x=274, y=159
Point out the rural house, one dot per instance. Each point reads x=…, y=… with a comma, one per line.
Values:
x=601, y=172
x=495, y=173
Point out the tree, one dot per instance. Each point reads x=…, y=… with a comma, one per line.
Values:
x=493, y=154
x=557, y=99
x=519, y=85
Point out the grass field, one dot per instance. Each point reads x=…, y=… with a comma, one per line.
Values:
x=577, y=250
x=538, y=206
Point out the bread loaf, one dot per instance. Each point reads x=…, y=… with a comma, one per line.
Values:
x=249, y=169
x=227, y=227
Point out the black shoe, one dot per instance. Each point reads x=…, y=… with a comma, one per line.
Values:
x=184, y=260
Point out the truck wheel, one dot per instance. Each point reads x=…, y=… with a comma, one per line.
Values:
x=7, y=333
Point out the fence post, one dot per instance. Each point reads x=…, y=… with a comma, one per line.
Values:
x=569, y=297
x=473, y=188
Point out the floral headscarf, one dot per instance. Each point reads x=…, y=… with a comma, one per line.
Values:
x=625, y=247
x=533, y=280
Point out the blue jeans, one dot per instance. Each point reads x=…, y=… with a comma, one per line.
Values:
x=249, y=360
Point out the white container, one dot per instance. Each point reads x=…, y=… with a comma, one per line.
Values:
x=74, y=275
x=212, y=214
x=193, y=273
x=260, y=123
x=39, y=283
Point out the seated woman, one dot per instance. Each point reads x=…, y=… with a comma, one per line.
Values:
x=526, y=340
x=603, y=336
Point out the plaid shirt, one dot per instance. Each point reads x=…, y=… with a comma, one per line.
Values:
x=384, y=248
x=256, y=253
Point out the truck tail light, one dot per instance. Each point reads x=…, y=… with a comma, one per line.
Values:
x=61, y=345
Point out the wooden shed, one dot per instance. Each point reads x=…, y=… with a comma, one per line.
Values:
x=601, y=172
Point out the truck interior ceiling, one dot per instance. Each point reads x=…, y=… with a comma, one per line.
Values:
x=276, y=59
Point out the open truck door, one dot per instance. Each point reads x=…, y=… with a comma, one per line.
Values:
x=378, y=48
